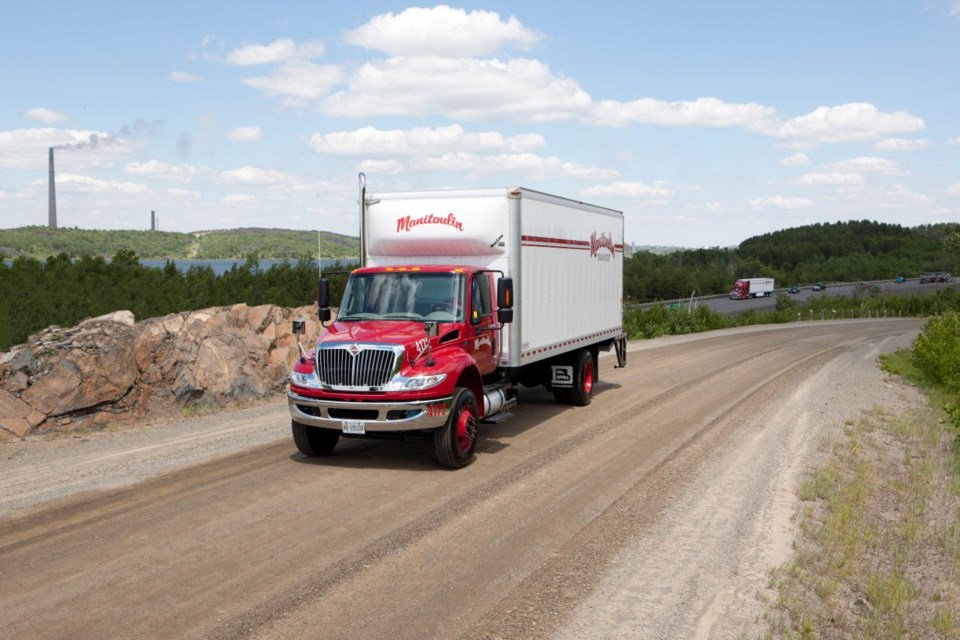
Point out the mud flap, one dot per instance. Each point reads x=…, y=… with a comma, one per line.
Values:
x=620, y=345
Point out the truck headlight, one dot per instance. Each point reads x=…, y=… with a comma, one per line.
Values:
x=305, y=380
x=418, y=383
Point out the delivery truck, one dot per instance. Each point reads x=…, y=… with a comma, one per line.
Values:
x=461, y=298
x=752, y=288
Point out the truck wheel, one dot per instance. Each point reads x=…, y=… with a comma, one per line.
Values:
x=314, y=441
x=583, y=379
x=455, y=442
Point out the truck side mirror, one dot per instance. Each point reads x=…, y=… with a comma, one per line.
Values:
x=504, y=300
x=323, y=300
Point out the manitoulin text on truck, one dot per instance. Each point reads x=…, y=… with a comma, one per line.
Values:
x=461, y=297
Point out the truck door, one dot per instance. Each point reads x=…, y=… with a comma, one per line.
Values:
x=481, y=337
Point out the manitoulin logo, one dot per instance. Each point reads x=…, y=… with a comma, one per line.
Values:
x=407, y=223
x=603, y=241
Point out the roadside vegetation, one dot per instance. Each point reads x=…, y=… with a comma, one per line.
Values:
x=662, y=320
x=878, y=553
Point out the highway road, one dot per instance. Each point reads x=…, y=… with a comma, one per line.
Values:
x=723, y=304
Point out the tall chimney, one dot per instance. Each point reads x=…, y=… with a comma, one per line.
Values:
x=153, y=221
x=52, y=198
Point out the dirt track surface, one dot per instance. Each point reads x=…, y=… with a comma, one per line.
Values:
x=656, y=512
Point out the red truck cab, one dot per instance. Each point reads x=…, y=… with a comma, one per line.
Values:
x=410, y=347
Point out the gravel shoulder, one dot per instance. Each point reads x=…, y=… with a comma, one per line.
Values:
x=703, y=570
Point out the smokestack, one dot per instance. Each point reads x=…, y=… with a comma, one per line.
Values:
x=52, y=198
x=153, y=221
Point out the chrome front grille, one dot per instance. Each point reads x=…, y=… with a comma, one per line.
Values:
x=356, y=366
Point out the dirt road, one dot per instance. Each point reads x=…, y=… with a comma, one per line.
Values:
x=657, y=511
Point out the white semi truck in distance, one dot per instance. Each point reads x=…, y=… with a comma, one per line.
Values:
x=752, y=288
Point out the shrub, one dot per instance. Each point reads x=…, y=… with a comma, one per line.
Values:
x=937, y=350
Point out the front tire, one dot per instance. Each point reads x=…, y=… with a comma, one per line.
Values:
x=455, y=442
x=314, y=441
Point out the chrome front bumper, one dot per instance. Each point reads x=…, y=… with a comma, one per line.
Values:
x=376, y=416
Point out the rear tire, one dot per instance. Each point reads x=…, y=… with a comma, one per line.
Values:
x=455, y=443
x=584, y=375
x=314, y=441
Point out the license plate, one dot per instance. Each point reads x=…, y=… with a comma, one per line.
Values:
x=354, y=426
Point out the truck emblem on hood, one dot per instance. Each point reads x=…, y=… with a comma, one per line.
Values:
x=354, y=349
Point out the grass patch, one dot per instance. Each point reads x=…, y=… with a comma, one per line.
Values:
x=199, y=409
x=878, y=549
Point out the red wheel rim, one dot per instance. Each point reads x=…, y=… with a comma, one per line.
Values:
x=466, y=429
x=588, y=377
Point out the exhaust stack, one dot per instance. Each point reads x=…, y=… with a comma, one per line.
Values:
x=52, y=197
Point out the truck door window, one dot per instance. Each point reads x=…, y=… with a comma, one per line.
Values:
x=480, y=295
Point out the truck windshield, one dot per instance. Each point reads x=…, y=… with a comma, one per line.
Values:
x=403, y=296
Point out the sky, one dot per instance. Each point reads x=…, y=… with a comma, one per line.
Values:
x=706, y=123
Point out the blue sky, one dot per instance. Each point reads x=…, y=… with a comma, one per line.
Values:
x=706, y=123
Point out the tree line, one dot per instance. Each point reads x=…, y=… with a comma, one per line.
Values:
x=224, y=244
x=832, y=252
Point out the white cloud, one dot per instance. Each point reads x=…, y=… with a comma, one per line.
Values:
x=832, y=178
x=420, y=141
x=298, y=82
x=68, y=182
x=954, y=9
x=855, y=121
x=255, y=175
x=443, y=31
x=459, y=88
x=246, y=134
x=782, y=202
x=240, y=198
x=899, y=196
x=628, y=190
x=46, y=116
x=954, y=140
x=707, y=206
x=526, y=164
x=158, y=169
x=183, y=76
x=186, y=193
x=954, y=189
x=865, y=164
x=706, y=112
x=277, y=51
x=381, y=167
x=902, y=144
x=795, y=160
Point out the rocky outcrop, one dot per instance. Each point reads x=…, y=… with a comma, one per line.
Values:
x=113, y=369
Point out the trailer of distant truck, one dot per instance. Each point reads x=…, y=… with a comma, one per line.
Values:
x=461, y=298
x=752, y=288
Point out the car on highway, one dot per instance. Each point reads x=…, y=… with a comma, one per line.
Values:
x=900, y=280
x=793, y=290
x=819, y=286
